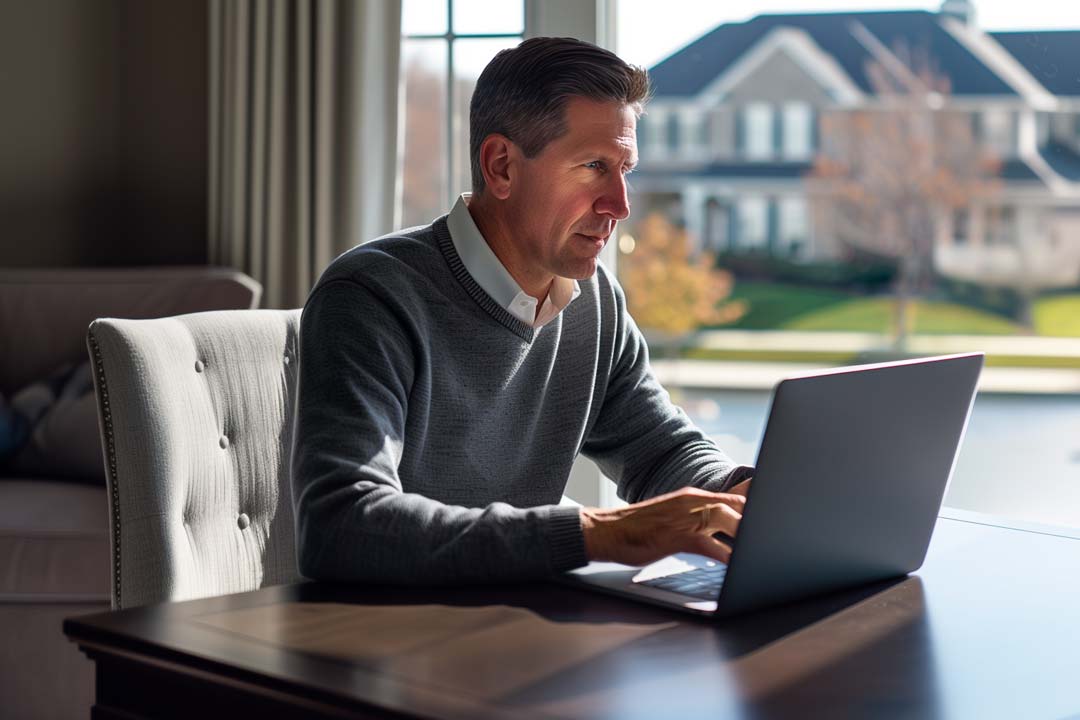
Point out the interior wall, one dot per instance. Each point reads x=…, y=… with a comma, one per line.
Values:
x=103, y=134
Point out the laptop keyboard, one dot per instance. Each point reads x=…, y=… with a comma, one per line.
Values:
x=702, y=583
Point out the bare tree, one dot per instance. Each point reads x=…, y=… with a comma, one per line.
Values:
x=423, y=165
x=890, y=176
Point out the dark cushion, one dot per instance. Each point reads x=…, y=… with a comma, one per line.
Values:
x=59, y=428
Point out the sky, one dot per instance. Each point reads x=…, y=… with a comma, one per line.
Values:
x=649, y=30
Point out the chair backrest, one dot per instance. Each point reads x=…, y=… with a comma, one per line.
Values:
x=196, y=421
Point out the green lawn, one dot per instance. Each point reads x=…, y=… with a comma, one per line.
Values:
x=777, y=306
x=771, y=306
x=1058, y=315
x=875, y=314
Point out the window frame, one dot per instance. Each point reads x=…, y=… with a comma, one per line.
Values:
x=797, y=130
x=452, y=126
x=589, y=20
x=759, y=124
x=752, y=209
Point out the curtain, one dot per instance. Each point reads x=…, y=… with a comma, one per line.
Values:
x=303, y=135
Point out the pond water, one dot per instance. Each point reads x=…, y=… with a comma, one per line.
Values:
x=1020, y=456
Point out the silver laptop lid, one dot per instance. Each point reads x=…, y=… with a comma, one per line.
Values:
x=850, y=476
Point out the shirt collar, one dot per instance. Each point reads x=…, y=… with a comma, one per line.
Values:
x=492, y=276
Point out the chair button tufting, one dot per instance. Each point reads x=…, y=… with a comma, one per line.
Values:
x=243, y=521
x=223, y=442
x=199, y=365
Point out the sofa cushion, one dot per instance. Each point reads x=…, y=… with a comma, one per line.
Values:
x=61, y=439
x=54, y=542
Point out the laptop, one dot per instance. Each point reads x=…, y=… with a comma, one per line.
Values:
x=849, y=480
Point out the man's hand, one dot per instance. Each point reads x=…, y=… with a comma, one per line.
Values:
x=681, y=521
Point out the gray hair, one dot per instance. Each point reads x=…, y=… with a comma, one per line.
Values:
x=523, y=91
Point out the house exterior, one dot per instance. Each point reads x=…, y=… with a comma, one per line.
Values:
x=735, y=123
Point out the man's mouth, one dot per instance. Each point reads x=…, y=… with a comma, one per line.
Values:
x=599, y=237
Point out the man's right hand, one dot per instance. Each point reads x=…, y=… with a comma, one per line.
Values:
x=681, y=521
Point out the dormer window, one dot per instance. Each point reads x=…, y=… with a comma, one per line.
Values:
x=758, y=131
x=798, y=142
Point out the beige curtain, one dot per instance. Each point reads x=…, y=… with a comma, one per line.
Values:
x=303, y=119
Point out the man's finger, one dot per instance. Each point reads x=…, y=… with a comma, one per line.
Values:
x=718, y=517
x=710, y=547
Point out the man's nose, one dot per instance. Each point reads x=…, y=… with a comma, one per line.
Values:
x=614, y=200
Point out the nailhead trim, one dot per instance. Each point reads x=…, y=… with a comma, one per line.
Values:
x=114, y=496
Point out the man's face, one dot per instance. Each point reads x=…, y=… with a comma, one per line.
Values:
x=568, y=198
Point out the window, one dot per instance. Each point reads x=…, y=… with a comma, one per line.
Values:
x=983, y=262
x=653, y=133
x=1001, y=226
x=798, y=129
x=961, y=229
x=717, y=226
x=728, y=206
x=702, y=124
x=674, y=134
x=998, y=131
x=758, y=126
x=753, y=232
x=445, y=45
x=794, y=230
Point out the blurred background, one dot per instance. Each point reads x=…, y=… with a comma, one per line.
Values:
x=828, y=183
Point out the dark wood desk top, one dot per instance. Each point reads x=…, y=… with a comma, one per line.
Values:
x=989, y=627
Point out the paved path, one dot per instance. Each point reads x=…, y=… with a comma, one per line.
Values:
x=764, y=375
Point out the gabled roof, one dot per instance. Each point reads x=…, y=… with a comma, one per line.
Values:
x=1052, y=57
x=1017, y=169
x=1063, y=159
x=1013, y=169
x=745, y=170
x=690, y=70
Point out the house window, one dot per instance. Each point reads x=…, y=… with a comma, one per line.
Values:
x=758, y=126
x=673, y=132
x=1001, y=226
x=793, y=234
x=997, y=128
x=445, y=45
x=753, y=232
x=702, y=132
x=717, y=225
x=961, y=226
x=797, y=131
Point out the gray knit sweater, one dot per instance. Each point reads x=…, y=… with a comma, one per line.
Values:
x=435, y=431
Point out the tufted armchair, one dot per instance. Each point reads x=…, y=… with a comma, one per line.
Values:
x=196, y=420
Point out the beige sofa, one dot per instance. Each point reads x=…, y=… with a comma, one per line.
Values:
x=54, y=544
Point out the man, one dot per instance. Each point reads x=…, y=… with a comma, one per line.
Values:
x=450, y=374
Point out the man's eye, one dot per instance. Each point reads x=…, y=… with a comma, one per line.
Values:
x=595, y=165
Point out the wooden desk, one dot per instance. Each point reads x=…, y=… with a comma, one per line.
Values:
x=988, y=628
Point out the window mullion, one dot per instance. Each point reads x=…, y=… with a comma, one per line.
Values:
x=451, y=124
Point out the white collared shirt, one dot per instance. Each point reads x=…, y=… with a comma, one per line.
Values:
x=493, y=277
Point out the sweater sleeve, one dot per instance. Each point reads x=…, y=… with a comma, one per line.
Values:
x=643, y=441
x=359, y=353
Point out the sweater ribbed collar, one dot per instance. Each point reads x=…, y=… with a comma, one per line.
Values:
x=486, y=302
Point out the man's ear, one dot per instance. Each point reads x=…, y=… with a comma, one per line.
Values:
x=497, y=157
